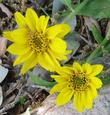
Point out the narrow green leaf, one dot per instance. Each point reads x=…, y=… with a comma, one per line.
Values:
x=108, y=48
x=37, y=80
x=98, y=52
x=66, y=2
x=97, y=35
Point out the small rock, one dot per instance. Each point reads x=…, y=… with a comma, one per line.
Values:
x=101, y=106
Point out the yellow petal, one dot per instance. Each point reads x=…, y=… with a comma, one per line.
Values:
x=52, y=56
x=47, y=62
x=64, y=96
x=93, y=91
x=65, y=71
x=89, y=98
x=83, y=100
x=7, y=35
x=78, y=102
x=43, y=21
x=20, y=19
x=58, y=87
x=18, y=49
x=20, y=36
x=68, y=52
x=87, y=68
x=58, y=46
x=96, y=69
x=75, y=100
x=59, y=79
x=31, y=19
x=22, y=58
x=62, y=57
x=59, y=56
x=96, y=82
x=59, y=30
x=30, y=63
x=77, y=67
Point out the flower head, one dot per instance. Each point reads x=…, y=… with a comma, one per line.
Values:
x=78, y=82
x=35, y=43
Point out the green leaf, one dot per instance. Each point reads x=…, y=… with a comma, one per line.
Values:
x=108, y=48
x=75, y=11
x=37, y=80
x=79, y=2
x=22, y=100
x=97, y=35
x=96, y=8
x=66, y=2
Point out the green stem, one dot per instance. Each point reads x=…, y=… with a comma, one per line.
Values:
x=75, y=11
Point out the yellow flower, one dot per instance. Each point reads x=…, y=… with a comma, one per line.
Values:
x=77, y=82
x=35, y=43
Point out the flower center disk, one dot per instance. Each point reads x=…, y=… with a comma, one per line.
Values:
x=38, y=42
x=78, y=82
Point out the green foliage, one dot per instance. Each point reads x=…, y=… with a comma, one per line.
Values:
x=68, y=3
x=105, y=78
x=93, y=8
x=96, y=8
x=79, y=1
x=97, y=35
x=108, y=48
x=22, y=100
x=37, y=80
x=57, y=5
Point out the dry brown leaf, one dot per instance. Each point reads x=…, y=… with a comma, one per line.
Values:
x=3, y=43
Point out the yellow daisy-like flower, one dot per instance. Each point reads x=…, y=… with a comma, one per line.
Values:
x=35, y=43
x=77, y=82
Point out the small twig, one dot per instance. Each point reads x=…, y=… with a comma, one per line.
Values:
x=15, y=86
x=85, y=40
x=11, y=105
x=89, y=37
